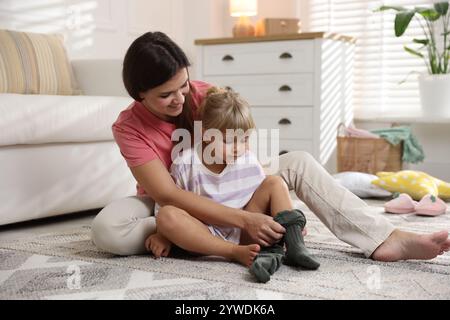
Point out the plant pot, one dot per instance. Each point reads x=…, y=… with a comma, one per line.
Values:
x=435, y=94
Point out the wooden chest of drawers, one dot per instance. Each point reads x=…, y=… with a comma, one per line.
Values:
x=300, y=84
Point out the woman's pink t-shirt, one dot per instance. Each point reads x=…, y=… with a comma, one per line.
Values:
x=143, y=137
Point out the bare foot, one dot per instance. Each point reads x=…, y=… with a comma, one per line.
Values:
x=147, y=244
x=402, y=245
x=245, y=254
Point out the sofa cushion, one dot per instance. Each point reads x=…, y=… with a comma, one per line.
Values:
x=34, y=63
x=32, y=119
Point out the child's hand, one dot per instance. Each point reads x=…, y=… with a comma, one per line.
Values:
x=158, y=245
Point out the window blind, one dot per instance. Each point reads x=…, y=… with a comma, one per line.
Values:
x=380, y=63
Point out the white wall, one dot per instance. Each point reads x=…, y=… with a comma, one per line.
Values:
x=93, y=28
x=105, y=28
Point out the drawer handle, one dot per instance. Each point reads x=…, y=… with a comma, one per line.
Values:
x=284, y=121
x=285, y=55
x=282, y=152
x=227, y=58
x=285, y=88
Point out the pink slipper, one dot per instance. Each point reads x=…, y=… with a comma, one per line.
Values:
x=402, y=204
x=431, y=206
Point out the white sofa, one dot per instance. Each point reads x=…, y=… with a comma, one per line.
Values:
x=57, y=153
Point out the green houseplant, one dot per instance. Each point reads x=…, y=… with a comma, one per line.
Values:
x=434, y=49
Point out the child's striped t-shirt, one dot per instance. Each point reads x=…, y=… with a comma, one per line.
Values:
x=233, y=187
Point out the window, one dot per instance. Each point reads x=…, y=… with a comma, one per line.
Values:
x=380, y=63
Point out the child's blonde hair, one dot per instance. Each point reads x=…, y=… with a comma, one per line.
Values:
x=224, y=109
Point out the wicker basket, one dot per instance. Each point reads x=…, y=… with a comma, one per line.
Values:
x=370, y=155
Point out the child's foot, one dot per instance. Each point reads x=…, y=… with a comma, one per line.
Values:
x=267, y=262
x=402, y=245
x=245, y=254
x=301, y=258
x=147, y=244
x=297, y=254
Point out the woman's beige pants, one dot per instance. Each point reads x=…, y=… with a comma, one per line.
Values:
x=122, y=226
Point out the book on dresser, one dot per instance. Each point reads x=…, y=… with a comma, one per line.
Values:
x=299, y=83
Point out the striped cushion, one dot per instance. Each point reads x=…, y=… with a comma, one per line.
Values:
x=32, y=63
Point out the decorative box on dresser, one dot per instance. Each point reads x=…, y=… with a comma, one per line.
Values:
x=300, y=84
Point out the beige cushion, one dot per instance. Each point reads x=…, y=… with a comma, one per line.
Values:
x=32, y=63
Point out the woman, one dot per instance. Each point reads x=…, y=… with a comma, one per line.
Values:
x=155, y=75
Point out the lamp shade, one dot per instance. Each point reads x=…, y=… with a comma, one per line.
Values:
x=239, y=8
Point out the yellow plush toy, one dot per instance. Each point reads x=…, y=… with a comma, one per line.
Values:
x=415, y=183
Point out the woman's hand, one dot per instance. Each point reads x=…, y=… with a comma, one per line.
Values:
x=262, y=229
x=158, y=245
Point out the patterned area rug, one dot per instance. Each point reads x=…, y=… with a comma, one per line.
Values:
x=68, y=266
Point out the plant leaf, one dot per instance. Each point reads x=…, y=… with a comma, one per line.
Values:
x=413, y=52
x=445, y=33
x=441, y=7
x=407, y=76
x=428, y=14
x=383, y=8
x=425, y=42
x=402, y=20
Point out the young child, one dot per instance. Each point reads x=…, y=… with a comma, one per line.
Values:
x=226, y=171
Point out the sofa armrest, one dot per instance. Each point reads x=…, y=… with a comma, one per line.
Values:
x=99, y=77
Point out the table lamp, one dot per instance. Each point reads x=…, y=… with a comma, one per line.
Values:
x=243, y=9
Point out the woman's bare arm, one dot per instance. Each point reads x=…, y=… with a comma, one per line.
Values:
x=157, y=182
